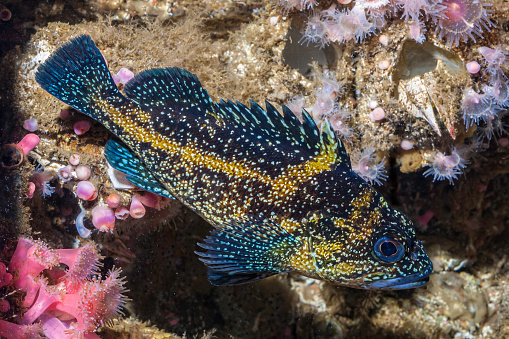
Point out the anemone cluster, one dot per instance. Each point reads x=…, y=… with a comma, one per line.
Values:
x=485, y=100
x=343, y=21
x=490, y=106
x=483, y=109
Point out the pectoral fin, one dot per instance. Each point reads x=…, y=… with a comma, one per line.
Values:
x=245, y=250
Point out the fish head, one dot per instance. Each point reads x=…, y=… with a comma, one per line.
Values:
x=370, y=246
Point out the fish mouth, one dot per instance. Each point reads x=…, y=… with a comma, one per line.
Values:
x=402, y=283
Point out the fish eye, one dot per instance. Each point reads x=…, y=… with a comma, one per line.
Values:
x=389, y=250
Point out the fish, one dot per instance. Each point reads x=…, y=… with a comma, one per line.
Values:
x=280, y=192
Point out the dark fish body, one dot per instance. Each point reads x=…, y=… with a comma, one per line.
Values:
x=280, y=193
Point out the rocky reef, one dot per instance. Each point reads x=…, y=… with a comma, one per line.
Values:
x=419, y=100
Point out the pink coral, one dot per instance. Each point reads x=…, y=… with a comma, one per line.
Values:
x=315, y=31
x=406, y=144
x=30, y=190
x=153, y=200
x=473, y=67
x=5, y=277
x=82, y=262
x=86, y=190
x=476, y=107
x=81, y=127
x=64, y=173
x=30, y=125
x=64, y=114
x=113, y=200
x=42, y=180
x=47, y=296
x=499, y=91
x=80, y=302
x=121, y=213
x=83, y=172
x=372, y=4
x=28, y=143
x=137, y=210
x=14, y=154
x=296, y=105
x=29, y=259
x=74, y=159
x=339, y=124
x=10, y=330
x=124, y=75
x=324, y=104
x=308, y=4
x=378, y=114
x=5, y=306
x=94, y=303
x=289, y=4
x=493, y=126
x=417, y=30
x=412, y=9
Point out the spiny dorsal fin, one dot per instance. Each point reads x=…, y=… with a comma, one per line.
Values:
x=284, y=131
x=330, y=138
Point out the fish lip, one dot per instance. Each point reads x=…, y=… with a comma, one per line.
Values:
x=402, y=283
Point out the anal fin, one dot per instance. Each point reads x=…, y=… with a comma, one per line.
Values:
x=122, y=159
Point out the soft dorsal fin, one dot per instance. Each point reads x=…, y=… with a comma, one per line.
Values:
x=167, y=88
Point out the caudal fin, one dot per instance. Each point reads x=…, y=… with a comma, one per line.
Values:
x=77, y=74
